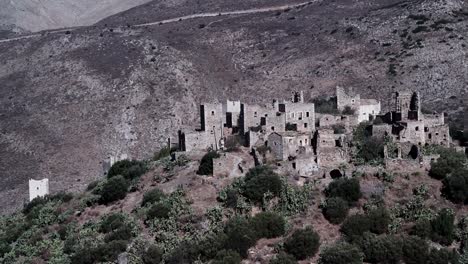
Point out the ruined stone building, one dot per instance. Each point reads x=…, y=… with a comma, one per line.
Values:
x=38, y=188
x=405, y=123
x=307, y=143
x=255, y=122
x=365, y=109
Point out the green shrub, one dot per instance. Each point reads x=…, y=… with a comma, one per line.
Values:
x=112, y=222
x=227, y=257
x=371, y=149
x=341, y=253
x=379, y=220
x=206, y=163
x=63, y=197
x=335, y=210
x=415, y=250
x=443, y=256
x=375, y=221
x=36, y=202
x=152, y=196
x=102, y=253
x=422, y=228
x=347, y=189
x=382, y=249
x=124, y=234
x=259, y=181
x=302, y=243
x=239, y=235
x=268, y=225
x=159, y=210
x=450, y=161
x=455, y=186
x=129, y=169
x=152, y=255
x=114, y=189
x=111, y=250
x=443, y=228
x=283, y=258
x=355, y=226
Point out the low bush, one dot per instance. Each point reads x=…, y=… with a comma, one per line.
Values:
x=152, y=255
x=239, y=236
x=443, y=228
x=415, y=250
x=341, y=253
x=152, y=196
x=455, y=186
x=302, y=243
x=371, y=149
x=443, y=256
x=114, y=189
x=382, y=249
x=227, y=257
x=335, y=210
x=347, y=189
x=375, y=221
x=129, y=169
x=159, y=210
x=124, y=234
x=268, y=225
x=450, y=161
x=105, y=252
x=259, y=181
x=112, y=222
x=36, y=202
x=206, y=163
x=422, y=228
x=283, y=258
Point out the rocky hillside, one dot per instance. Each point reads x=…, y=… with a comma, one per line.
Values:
x=165, y=211
x=72, y=99
x=36, y=15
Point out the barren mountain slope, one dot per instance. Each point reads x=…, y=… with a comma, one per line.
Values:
x=36, y=15
x=69, y=101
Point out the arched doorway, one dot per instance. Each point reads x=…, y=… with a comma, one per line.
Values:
x=335, y=174
x=414, y=152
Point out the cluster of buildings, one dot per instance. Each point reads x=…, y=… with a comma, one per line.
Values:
x=301, y=140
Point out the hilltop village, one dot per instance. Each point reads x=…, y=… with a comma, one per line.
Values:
x=294, y=137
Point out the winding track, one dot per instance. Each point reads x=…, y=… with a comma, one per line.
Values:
x=178, y=19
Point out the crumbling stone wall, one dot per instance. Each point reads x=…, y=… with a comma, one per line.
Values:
x=431, y=120
x=289, y=144
x=438, y=135
x=413, y=132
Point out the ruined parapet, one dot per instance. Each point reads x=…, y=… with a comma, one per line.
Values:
x=407, y=105
x=38, y=188
x=298, y=97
